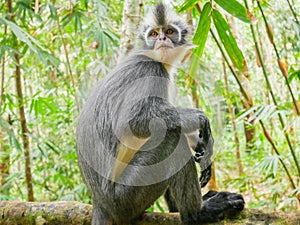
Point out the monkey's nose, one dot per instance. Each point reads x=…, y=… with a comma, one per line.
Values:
x=162, y=37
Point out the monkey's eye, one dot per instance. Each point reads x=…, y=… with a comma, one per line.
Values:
x=154, y=34
x=169, y=31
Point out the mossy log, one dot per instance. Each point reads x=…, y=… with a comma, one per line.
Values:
x=75, y=213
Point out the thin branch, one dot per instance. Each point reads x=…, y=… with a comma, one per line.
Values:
x=282, y=67
x=24, y=129
x=269, y=85
x=232, y=117
x=293, y=12
x=68, y=61
x=244, y=93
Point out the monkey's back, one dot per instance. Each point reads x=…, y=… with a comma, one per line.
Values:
x=134, y=79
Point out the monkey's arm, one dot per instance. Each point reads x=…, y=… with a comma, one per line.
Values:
x=203, y=148
x=150, y=118
x=194, y=120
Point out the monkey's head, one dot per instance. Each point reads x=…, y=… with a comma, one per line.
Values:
x=163, y=34
x=163, y=29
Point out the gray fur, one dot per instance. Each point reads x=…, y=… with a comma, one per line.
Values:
x=131, y=106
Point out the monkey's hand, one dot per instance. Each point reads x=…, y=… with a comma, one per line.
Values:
x=204, y=151
x=205, y=176
x=205, y=166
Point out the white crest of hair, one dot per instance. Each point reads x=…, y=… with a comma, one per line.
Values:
x=171, y=17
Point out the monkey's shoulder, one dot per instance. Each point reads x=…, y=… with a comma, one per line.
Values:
x=139, y=65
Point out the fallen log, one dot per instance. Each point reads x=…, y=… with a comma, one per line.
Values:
x=75, y=213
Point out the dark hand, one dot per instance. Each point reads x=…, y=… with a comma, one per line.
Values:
x=205, y=176
x=204, y=150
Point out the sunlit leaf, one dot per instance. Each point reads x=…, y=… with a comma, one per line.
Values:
x=234, y=8
x=200, y=37
x=52, y=10
x=229, y=41
x=187, y=5
x=31, y=42
x=263, y=112
x=161, y=209
x=269, y=165
x=54, y=148
x=202, y=30
x=247, y=112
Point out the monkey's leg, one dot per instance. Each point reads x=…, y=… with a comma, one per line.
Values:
x=146, y=177
x=187, y=193
x=99, y=218
x=170, y=201
x=186, y=190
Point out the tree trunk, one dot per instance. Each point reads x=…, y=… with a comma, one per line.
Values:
x=75, y=213
x=130, y=20
x=24, y=129
x=4, y=161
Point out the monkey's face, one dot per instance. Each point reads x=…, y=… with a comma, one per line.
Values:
x=162, y=38
x=163, y=30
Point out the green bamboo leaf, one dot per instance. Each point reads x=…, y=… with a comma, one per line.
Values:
x=31, y=42
x=236, y=9
x=269, y=165
x=14, y=141
x=229, y=41
x=247, y=112
x=21, y=34
x=263, y=112
x=53, y=11
x=200, y=36
x=202, y=30
x=187, y=5
x=52, y=147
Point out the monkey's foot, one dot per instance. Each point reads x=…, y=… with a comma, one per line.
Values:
x=217, y=205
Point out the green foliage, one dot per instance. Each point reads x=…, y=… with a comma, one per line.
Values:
x=187, y=5
x=235, y=9
x=229, y=41
x=49, y=99
x=200, y=36
x=86, y=36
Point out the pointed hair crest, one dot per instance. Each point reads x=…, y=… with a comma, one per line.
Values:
x=162, y=15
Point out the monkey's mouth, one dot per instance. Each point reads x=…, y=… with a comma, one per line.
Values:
x=163, y=46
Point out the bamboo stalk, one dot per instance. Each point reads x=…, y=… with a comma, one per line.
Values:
x=281, y=65
x=270, y=89
x=232, y=117
x=243, y=91
x=293, y=12
x=69, y=69
x=234, y=74
x=24, y=129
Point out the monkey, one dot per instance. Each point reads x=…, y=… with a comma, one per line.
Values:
x=134, y=145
